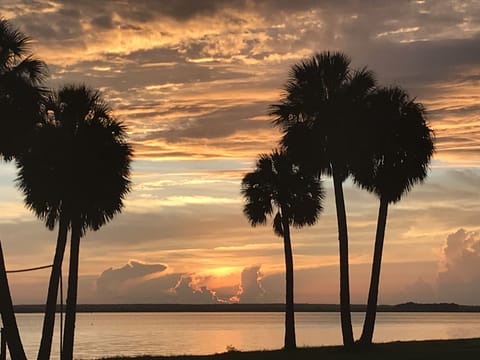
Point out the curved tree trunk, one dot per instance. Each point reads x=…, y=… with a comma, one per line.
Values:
x=369, y=324
x=50, y=307
x=14, y=342
x=345, y=314
x=290, y=341
x=71, y=309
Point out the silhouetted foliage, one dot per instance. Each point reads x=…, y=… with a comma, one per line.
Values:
x=76, y=172
x=9, y=322
x=394, y=149
x=277, y=186
x=395, y=145
x=21, y=93
x=78, y=162
x=323, y=97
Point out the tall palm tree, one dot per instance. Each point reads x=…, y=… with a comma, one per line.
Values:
x=38, y=179
x=277, y=186
x=20, y=103
x=21, y=92
x=76, y=172
x=393, y=155
x=9, y=321
x=323, y=95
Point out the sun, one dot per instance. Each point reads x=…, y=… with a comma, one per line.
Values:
x=219, y=277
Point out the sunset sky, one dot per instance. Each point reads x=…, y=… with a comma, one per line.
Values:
x=193, y=81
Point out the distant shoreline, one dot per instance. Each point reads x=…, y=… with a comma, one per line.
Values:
x=405, y=307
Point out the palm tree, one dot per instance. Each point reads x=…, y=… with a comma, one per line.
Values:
x=20, y=99
x=394, y=154
x=76, y=172
x=9, y=321
x=38, y=179
x=323, y=95
x=277, y=186
x=21, y=93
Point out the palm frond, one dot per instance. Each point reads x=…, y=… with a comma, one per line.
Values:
x=397, y=147
x=278, y=183
x=78, y=162
x=13, y=44
x=324, y=95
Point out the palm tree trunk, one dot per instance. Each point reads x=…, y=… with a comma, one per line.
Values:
x=71, y=309
x=50, y=307
x=369, y=324
x=290, y=341
x=14, y=342
x=345, y=314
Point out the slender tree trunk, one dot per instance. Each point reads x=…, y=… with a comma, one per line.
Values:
x=290, y=341
x=345, y=314
x=14, y=342
x=50, y=307
x=71, y=309
x=369, y=324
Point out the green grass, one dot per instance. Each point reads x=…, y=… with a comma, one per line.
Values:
x=407, y=350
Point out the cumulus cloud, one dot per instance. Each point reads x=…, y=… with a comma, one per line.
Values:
x=187, y=293
x=116, y=280
x=138, y=282
x=251, y=289
x=459, y=281
x=457, y=278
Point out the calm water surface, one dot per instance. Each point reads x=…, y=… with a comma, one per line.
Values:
x=107, y=334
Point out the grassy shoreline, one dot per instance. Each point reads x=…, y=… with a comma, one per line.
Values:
x=398, y=350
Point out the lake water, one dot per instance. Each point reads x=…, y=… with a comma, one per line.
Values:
x=107, y=334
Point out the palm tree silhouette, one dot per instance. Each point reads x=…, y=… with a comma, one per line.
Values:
x=44, y=194
x=323, y=95
x=20, y=102
x=277, y=185
x=21, y=92
x=393, y=155
x=9, y=321
x=76, y=173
